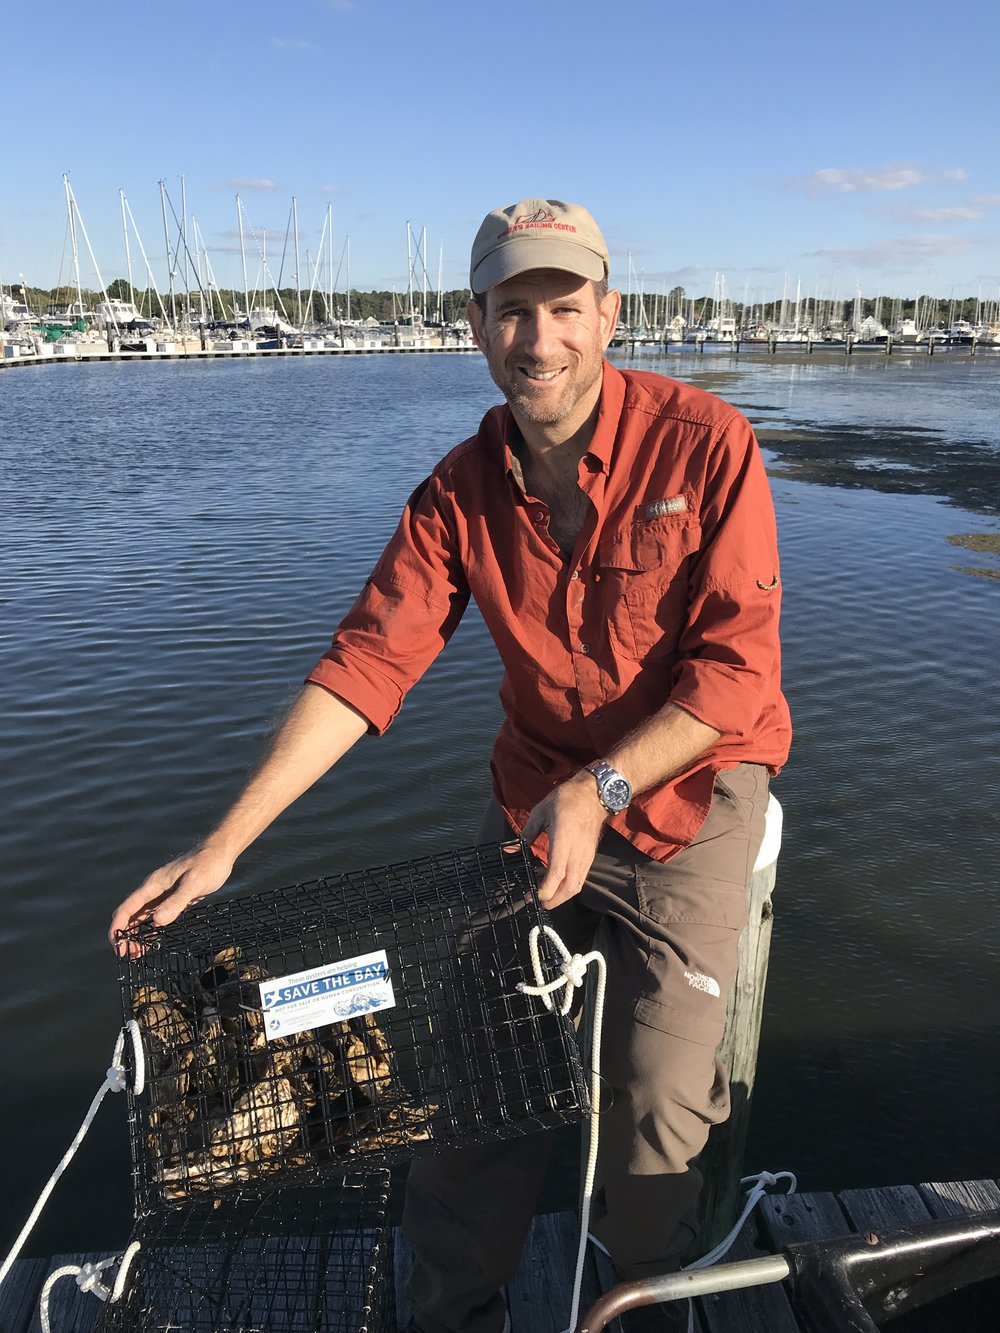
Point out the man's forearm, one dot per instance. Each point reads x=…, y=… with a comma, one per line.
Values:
x=572, y=815
x=319, y=730
x=660, y=747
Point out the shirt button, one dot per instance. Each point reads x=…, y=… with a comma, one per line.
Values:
x=539, y=516
x=584, y=647
x=597, y=717
x=575, y=574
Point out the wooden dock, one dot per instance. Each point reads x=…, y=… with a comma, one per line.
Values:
x=540, y=1295
x=191, y=350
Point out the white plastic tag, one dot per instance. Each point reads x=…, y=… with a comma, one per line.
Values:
x=326, y=994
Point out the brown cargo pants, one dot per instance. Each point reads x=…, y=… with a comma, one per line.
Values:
x=669, y=933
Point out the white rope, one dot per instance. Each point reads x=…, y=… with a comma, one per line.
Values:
x=114, y=1082
x=758, y=1188
x=123, y=1268
x=759, y=1184
x=88, y=1278
x=573, y=974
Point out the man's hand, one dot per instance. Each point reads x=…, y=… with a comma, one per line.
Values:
x=573, y=817
x=168, y=891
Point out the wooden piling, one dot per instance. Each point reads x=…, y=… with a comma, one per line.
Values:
x=721, y=1163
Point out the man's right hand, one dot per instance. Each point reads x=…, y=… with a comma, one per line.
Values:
x=168, y=891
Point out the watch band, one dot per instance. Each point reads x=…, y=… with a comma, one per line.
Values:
x=613, y=788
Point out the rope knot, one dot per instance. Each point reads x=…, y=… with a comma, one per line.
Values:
x=89, y=1279
x=573, y=972
x=115, y=1078
x=763, y=1179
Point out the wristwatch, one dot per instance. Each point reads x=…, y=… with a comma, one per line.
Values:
x=615, y=791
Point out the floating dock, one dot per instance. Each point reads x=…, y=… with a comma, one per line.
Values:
x=75, y=354
x=541, y=1293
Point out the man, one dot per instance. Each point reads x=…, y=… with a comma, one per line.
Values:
x=617, y=533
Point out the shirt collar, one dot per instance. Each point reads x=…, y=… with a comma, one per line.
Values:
x=602, y=445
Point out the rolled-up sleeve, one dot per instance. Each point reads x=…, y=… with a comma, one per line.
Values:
x=729, y=662
x=406, y=613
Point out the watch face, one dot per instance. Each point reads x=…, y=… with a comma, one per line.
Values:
x=617, y=794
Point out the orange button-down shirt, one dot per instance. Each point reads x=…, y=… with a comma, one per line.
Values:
x=671, y=595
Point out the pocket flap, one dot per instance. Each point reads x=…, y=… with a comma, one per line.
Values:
x=648, y=544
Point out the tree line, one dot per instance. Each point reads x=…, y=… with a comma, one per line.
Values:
x=389, y=307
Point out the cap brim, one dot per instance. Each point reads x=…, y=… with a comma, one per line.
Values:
x=530, y=252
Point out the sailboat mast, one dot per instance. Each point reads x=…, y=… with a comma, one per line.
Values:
x=145, y=259
x=298, y=284
x=409, y=272
x=347, y=243
x=243, y=257
x=184, y=235
x=423, y=263
x=128, y=253
x=93, y=260
x=204, y=285
x=329, y=269
x=71, y=211
x=170, y=267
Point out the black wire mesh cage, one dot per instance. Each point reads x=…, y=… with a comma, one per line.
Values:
x=298, y=1261
x=290, y=1034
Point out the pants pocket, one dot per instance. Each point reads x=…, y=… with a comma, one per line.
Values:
x=689, y=974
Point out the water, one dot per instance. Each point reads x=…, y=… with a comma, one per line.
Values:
x=179, y=541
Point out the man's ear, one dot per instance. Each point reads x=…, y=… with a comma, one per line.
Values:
x=476, y=323
x=610, y=308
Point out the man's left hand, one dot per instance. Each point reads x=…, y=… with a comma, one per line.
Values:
x=573, y=818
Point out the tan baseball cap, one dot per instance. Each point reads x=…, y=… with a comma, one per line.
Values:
x=536, y=233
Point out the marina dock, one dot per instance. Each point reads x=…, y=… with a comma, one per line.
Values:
x=191, y=349
x=540, y=1295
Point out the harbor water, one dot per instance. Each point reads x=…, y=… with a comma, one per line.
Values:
x=178, y=542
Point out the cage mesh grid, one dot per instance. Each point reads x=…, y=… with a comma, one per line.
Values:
x=461, y=1056
x=298, y=1261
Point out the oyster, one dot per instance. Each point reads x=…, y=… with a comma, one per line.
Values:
x=226, y=1106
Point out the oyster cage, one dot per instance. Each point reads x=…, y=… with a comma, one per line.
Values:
x=302, y=1261
x=349, y=1021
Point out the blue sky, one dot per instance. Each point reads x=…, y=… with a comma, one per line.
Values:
x=841, y=145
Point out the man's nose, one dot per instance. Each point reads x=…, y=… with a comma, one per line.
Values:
x=539, y=335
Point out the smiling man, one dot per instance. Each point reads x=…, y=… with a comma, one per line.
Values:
x=617, y=533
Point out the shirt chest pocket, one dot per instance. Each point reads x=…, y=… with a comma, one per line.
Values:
x=644, y=570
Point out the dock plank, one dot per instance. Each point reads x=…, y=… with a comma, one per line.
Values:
x=541, y=1293
x=884, y=1209
x=793, y=1217
x=69, y=1307
x=958, y=1198
x=19, y=1293
x=402, y=1258
x=753, y=1309
x=605, y=1278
